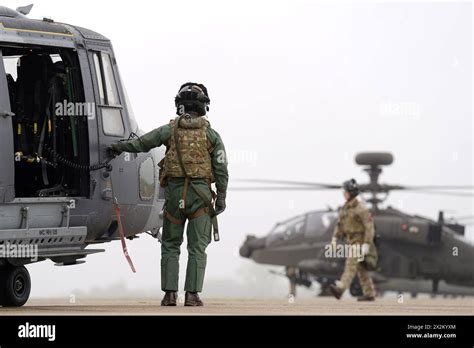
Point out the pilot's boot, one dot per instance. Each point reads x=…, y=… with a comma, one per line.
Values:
x=169, y=299
x=366, y=298
x=337, y=292
x=192, y=299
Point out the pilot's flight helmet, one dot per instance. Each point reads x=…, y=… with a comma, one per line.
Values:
x=351, y=187
x=192, y=97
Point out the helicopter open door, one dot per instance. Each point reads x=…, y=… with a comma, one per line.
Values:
x=114, y=122
x=7, y=174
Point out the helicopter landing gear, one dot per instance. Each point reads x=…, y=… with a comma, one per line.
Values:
x=435, y=286
x=15, y=286
x=356, y=289
x=291, y=273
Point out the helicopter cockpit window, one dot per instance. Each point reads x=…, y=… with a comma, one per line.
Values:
x=110, y=85
x=112, y=122
x=100, y=82
x=318, y=223
x=288, y=229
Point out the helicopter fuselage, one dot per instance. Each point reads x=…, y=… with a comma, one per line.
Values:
x=410, y=248
x=62, y=103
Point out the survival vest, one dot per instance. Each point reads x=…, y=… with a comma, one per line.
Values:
x=195, y=149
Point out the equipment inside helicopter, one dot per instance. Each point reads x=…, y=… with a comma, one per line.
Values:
x=51, y=147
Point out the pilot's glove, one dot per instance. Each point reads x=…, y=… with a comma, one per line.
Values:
x=220, y=203
x=114, y=150
x=333, y=243
x=365, y=249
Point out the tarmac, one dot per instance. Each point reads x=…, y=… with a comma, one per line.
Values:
x=292, y=307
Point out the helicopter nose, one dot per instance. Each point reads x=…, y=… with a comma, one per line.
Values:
x=251, y=244
x=246, y=250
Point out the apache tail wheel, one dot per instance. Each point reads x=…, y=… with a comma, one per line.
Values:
x=15, y=286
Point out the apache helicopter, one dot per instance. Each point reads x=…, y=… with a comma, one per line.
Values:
x=415, y=253
x=62, y=103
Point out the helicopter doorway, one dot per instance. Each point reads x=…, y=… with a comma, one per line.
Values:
x=49, y=135
x=6, y=140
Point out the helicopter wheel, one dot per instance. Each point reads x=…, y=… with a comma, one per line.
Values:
x=15, y=286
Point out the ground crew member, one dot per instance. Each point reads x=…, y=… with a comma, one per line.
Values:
x=195, y=158
x=356, y=226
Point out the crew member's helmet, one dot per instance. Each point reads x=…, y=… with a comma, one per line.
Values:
x=351, y=187
x=192, y=97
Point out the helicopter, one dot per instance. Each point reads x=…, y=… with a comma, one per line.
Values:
x=415, y=253
x=62, y=103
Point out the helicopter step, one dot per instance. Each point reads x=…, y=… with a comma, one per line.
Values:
x=40, y=223
x=46, y=238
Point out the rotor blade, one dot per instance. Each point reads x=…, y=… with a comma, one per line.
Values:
x=278, y=188
x=435, y=187
x=441, y=193
x=289, y=182
x=468, y=217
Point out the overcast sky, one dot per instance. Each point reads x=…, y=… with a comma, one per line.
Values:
x=297, y=89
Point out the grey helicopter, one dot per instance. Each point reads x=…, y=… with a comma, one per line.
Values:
x=417, y=254
x=62, y=103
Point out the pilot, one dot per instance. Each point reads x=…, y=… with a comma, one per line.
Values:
x=356, y=226
x=195, y=158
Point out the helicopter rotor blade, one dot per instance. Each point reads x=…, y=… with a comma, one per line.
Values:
x=290, y=182
x=442, y=193
x=279, y=188
x=463, y=218
x=436, y=187
x=290, y=185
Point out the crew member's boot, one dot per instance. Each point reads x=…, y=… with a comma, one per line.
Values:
x=192, y=299
x=366, y=298
x=169, y=299
x=337, y=292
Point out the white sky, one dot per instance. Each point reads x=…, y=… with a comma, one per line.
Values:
x=297, y=88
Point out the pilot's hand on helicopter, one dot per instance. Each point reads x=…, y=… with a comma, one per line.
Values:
x=113, y=151
x=220, y=203
x=365, y=248
x=333, y=243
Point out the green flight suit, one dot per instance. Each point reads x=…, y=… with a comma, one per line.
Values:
x=198, y=229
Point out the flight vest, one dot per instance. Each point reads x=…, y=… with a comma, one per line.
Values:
x=195, y=149
x=350, y=222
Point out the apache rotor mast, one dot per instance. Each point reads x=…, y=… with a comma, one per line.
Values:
x=373, y=163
